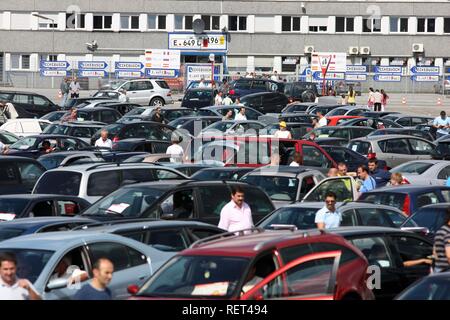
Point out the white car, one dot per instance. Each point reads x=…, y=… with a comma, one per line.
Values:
x=425, y=172
x=146, y=92
x=25, y=127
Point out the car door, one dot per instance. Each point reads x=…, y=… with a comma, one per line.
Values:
x=404, y=122
x=25, y=102
x=43, y=208
x=314, y=157
x=42, y=105
x=140, y=92
x=255, y=103
x=108, y=116
x=178, y=204
x=168, y=239
x=345, y=189
x=130, y=265
x=310, y=277
x=395, y=151
x=421, y=149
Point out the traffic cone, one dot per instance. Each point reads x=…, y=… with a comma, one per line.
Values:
x=403, y=100
x=439, y=102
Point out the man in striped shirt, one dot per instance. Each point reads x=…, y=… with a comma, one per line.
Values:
x=441, y=248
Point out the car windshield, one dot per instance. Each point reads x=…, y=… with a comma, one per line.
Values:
x=51, y=162
x=56, y=129
x=337, y=112
x=431, y=218
x=361, y=147
x=30, y=262
x=112, y=129
x=12, y=206
x=136, y=112
x=177, y=123
x=10, y=232
x=278, y=188
x=23, y=144
x=126, y=202
x=415, y=168
x=9, y=138
x=196, y=277
x=428, y=289
x=59, y=182
x=395, y=200
x=205, y=175
x=302, y=218
x=114, y=85
x=220, y=126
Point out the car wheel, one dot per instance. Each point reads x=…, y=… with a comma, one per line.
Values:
x=157, y=102
x=308, y=96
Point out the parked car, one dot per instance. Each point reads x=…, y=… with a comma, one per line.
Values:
x=94, y=103
x=221, y=111
x=83, y=130
x=93, y=181
x=344, y=87
x=149, y=158
x=198, y=98
x=403, y=131
x=32, y=146
x=348, y=111
x=29, y=104
x=8, y=138
x=425, y=172
x=146, y=114
x=121, y=107
x=18, y=174
x=442, y=151
x=195, y=84
x=68, y=158
x=188, y=169
x=224, y=268
x=21, y=227
x=141, y=145
x=394, y=149
x=431, y=217
x=375, y=123
x=54, y=116
x=110, y=94
x=41, y=253
x=287, y=117
x=297, y=129
x=220, y=174
x=301, y=91
x=302, y=216
x=265, y=102
x=345, y=133
x=323, y=108
x=177, y=199
x=351, y=158
x=232, y=127
x=152, y=92
x=408, y=121
x=378, y=114
x=172, y=236
x=298, y=107
x=25, y=127
x=31, y=205
x=98, y=114
x=73, y=103
x=284, y=184
x=388, y=250
x=245, y=86
x=408, y=198
x=337, y=120
x=193, y=124
x=432, y=287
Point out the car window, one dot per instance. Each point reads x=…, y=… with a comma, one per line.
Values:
x=103, y=183
x=82, y=132
x=348, y=218
x=405, y=122
x=167, y=240
x=425, y=199
x=180, y=204
x=39, y=101
x=361, y=147
x=137, y=175
x=340, y=133
x=213, y=199
x=342, y=187
x=395, y=200
x=415, y=168
x=9, y=174
x=411, y=248
x=257, y=200
x=308, y=183
x=277, y=188
x=42, y=209
x=421, y=147
x=122, y=257
x=141, y=85
x=399, y=146
x=162, y=174
x=373, y=217
x=417, y=121
x=67, y=207
x=375, y=250
x=359, y=132
x=108, y=116
x=162, y=84
x=21, y=98
x=200, y=233
x=313, y=157
x=59, y=182
x=29, y=173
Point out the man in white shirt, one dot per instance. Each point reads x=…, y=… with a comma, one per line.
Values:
x=175, y=150
x=274, y=77
x=442, y=124
x=328, y=217
x=218, y=99
x=240, y=116
x=12, y=288
x=202, y=83
x=283, y=133
x=71, y=273
x=298, y=160
x=236, y=215
x=74, y=89
x=322, y=120
x=227, y=101
x=103, y=141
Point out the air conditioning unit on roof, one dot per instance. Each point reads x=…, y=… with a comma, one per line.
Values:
x=364, y=50
x=353, y=50
x=309, y=49
x=417, y=47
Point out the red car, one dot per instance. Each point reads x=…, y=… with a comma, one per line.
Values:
x=257, y=151
x=335, y=120
x=263, y=265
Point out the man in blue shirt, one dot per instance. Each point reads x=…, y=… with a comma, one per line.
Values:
x=368, y=182
x=328, y=217
x=382, y=177
x=442, y=124
x=97, y=290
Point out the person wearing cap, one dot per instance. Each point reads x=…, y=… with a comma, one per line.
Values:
x=283, y=133
x=175, y=150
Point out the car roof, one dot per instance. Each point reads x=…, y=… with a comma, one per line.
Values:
x=146, y=225
x=106, y=166
x=386, y=137
x=365, y=230
x=284, y=170
x=16, y=159
x=225, y=169
x=42, y=221
x=402, y=115
x=95, y=109
x=80, y=123
x=35, y=196
x=344, y=205
x=442, y=205
x=408, y=188
x=20, y=92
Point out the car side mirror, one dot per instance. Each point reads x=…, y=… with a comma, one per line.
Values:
x=59, y=283
x=167, y=216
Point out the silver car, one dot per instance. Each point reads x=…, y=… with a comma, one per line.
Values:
x=394, y=149
x=408, y=120
x=425, y=172
x=152, y=92
x=38, y=255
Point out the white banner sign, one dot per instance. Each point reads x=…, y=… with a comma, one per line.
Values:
x=53, y=73
x=190, y=41
x=356, y=77
x=162, y=59
x=336, y=61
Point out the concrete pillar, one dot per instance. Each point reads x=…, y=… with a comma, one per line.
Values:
x=304, y=24
x=412, y=25
x=385, y=25
x=170, y=22
x=277, y=24
x=7, y=61
x=115, y=58
x=89, y=21
x=439, y=25
x=358, y=25
x=34, y=21
x=61, y=21
x=34, y=62
x=115, y=26
x=250, y=63
x=439, y=62
x=143, y=22
x=223, y=21
x=332, y=24
x=411, y=63
x=251, y=24
x=7, y=20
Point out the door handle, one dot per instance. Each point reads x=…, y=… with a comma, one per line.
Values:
x=142, y=277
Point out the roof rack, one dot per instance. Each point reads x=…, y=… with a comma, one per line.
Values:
x=117, y=164
x=304, y=234
x=238, y=233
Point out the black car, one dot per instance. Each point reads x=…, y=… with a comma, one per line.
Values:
x=198, y=98
x=54, y=116
x=431, y=217
x=404, y=131
x=244, y=86
x=136, y=130
x=374, y=123
x=324, y=109
x=186, y=168
x=70, y=103
x=377, y=114
x=298, y=117
x=342, y=154
x=265, y=102
x=442, y=151
x=18, y=174
x=221, y=174
x=8, y=137
x=40, y=205
x=121, y=107
x=79, y=129
x=346, y=133
x=392, y=252
x=221, y=111
x=68, y=158
x=28, y=104
x=32, y=146
x=99, y=114
x=301, y=91
x=178, y=199
x=194, y=124
x=141, y=145
x=298, y=107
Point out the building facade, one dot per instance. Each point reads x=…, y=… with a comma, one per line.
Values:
x=262, y=35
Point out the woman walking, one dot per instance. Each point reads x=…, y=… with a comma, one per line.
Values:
x=351, y=100
x=371, y=100
x=384, y=99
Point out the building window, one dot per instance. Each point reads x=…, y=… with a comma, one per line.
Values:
x=156, y=22
x=318, y=24
x=371, y=25
x=211, y=22
x=20, y=61
x=48, y=24
x=237, y=23
x=426, y=25
x=183, y=22
x=446, y=25
x=345, y=24
x=398, y=24
x=102, y=22
x=49, y=57
x=75, y=21
x=188, y=22
x=129, y=22
x=289, y=23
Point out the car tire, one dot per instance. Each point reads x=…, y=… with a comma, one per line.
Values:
x=156, y=102
x=308, y=96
